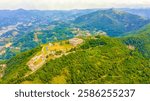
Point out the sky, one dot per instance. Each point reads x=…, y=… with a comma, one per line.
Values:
x=72, y=4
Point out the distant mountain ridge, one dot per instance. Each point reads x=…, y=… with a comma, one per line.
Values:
x=112, y=21
x=145, y=12
x=23, y=30
x=20, y=15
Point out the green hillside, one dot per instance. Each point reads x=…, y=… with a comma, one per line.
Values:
x=16, y=66
x=100, y=59
x=112, y=21
x=140, y=39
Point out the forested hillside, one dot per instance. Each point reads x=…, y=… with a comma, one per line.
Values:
x=99, y=59
x=140, y=39
x=16, y=66
x=112, y=21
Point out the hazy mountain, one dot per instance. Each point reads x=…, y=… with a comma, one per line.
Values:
x=11, y=17
x=112, y=21
x=145, y=12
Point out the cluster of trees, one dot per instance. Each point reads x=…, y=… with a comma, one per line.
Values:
x=136, y=42
x=93, y=43
x=140, y=39
x=8, y=54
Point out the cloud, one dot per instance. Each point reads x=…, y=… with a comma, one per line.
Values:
x=71, y=4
